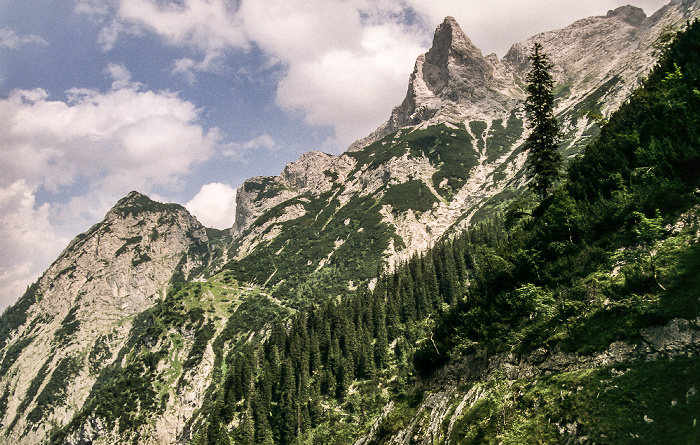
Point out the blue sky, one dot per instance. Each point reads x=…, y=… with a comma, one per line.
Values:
x=185, y=99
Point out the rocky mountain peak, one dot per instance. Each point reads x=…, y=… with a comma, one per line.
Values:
x=453, y=80
x=453, y=60
x=95, y=289
x=630, y=14
x=136, y=203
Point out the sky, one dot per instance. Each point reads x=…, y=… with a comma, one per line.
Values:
x=183, y=100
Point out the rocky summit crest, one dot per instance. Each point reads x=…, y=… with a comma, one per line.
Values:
x=451, y=80
x=452, y=61
x=630, y=14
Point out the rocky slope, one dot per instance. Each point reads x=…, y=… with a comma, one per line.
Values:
x=456, y=140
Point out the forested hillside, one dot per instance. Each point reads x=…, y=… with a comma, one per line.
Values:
x=610, y=255
x=613, y=251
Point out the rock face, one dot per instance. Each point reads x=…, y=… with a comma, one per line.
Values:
x=86, y=302
x=454, y=79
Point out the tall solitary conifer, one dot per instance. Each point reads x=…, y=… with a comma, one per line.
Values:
x=543, y=159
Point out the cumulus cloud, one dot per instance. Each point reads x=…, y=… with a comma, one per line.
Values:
x=105, y=137
x=27, y=239
x=214, y=205
x=101, y=143
x=263, y=141
x=211, y=27
x=9, y=39
x=345, y=63
x=352, y=90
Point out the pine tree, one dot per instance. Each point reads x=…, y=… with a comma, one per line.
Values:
x=543, y=160
x=247, y=428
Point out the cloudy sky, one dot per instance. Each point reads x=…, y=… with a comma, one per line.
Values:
x=185, y=99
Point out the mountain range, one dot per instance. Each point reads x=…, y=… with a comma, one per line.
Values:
x=140, y=328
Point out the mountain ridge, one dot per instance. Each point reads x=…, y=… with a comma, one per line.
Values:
x=490, y=111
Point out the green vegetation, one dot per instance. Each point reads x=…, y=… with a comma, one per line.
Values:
x=54, y=393
x=16, y=315
x=544, y=162
x=34, y=386
x=501, y=138
x=157, y=361
x=12, y=353
x=353, y=238
x=409, y=195
x=632, y=403
x=450, y=150
x=69, y=326
x=134, y=240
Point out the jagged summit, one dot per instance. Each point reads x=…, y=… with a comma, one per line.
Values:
x=136, y=203
x=451, y=81
x=630, y=14
x=453, y=62
x=600, y=55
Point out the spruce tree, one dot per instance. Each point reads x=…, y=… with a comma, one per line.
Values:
x=544, y=162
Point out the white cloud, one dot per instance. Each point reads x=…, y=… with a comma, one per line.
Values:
x=353, y=91
x=104, y=144
x=214, y=205
x=301, y=29
x=121, y=76
x=28, y=241
x=146, y=137
x=263, y=141
x=208, y=26
x=9, y=39
x=346, y=62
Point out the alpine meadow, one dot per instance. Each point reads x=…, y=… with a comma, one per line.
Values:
x=513, y=257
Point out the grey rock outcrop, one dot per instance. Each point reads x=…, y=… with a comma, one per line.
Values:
x=451, y=76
